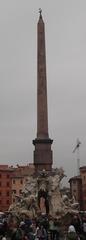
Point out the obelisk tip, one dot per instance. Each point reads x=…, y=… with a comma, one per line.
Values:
x=40, y=12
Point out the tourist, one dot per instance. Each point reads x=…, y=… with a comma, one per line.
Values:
x=41, y=233
x=54, y=228
x=77, y=223
x=51, y=227
x=84, y=227
x=72, y=235
x=4, y=238
x=14, y=232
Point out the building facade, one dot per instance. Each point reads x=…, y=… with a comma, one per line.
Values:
x=5, y=187
x=83, y=177
x=19, y=178
x=12, y=181
x=78, y=188
x=17, y=186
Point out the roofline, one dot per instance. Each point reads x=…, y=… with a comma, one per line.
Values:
x=83, y=167
x=75, y=178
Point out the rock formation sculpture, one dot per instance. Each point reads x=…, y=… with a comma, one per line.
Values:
x=41, y=195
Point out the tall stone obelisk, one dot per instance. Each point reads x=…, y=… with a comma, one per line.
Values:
x=42, y=152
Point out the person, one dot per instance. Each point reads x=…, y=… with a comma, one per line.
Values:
x=51, y=227
x=84, y=227
x=41, y=233
x=54, y=229
x=76, y=222
x=14, y=232
x=72, y=235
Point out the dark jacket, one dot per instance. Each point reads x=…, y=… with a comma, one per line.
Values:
x=72, y=236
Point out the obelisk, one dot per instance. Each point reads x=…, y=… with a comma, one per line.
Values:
x=42, y=152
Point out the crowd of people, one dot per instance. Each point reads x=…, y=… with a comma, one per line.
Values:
x=42, y=228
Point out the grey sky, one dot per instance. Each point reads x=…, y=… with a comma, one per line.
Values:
x=66, y=76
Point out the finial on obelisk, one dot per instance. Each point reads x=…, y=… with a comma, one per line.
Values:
x=40, y=12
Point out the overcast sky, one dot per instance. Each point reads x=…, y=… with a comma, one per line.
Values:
x=65, y=24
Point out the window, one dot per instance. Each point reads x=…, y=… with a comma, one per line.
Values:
x=84, y=185
x=21, y=181
x=8, y=193
x=0, y=193
x=74, y=190
x=8, y=176
x=7, y=202
x=8, y=184
x=74, y=182
x=0, y=184
x=20, y=191
x=13, y=181
x=14, y=191
x=26, y=180
x=0, y=175
x=13, y=200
